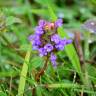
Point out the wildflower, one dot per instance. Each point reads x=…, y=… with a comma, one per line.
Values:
x=46, y=40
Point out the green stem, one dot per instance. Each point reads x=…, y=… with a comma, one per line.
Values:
x=86, y=45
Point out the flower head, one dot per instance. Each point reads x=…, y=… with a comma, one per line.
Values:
x=46, y=43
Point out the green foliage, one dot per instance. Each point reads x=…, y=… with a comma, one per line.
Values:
x=19, y=63
x=23, y=75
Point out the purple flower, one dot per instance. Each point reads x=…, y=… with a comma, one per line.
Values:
x=41, y=38
x=35, y=47
x=68, y=41
x=55, y=38
x=39, y=30
x=61, y=44
x=37, y=37
x=58, y=23
x=42, y=52
x=42, y=23
x=54, y=63
x=48, y=47
x=53, y=59
x=31, y=37
x=36, y=42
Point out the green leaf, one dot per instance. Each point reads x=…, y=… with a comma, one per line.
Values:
x=39, y=91
x=9, y=73
x=11, y=20
x=23, y=75
x=36, y=62
x=63, y=85
x=42, y=2
x=2, y=93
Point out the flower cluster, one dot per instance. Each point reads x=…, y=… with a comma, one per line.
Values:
x=46, y=39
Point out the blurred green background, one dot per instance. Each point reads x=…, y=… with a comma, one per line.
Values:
x=18, y=19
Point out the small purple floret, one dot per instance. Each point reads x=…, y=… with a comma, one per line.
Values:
x=59, y=23
x=54, y=63
x=35, y=42
x=48, y=47
x=42, y=52
x=39, y=30
x=68, y=41
x=35, y=45
x=31, y=37
x=60, y=46
x=53, y=59
x=42, y=23
x=55, y=38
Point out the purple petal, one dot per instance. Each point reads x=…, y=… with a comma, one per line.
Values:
x=55, y=38
x=53, y=60
x=68, y=41
x=59, y=23
x=31, y=37
x=42, y=23
x=42, y=52
x=54, y=63
x=39, y=30
x=53, y=57
x=60, y=45
x=48, y=47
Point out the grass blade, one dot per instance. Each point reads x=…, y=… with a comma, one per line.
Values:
x=23, y=75
x=63, y=85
